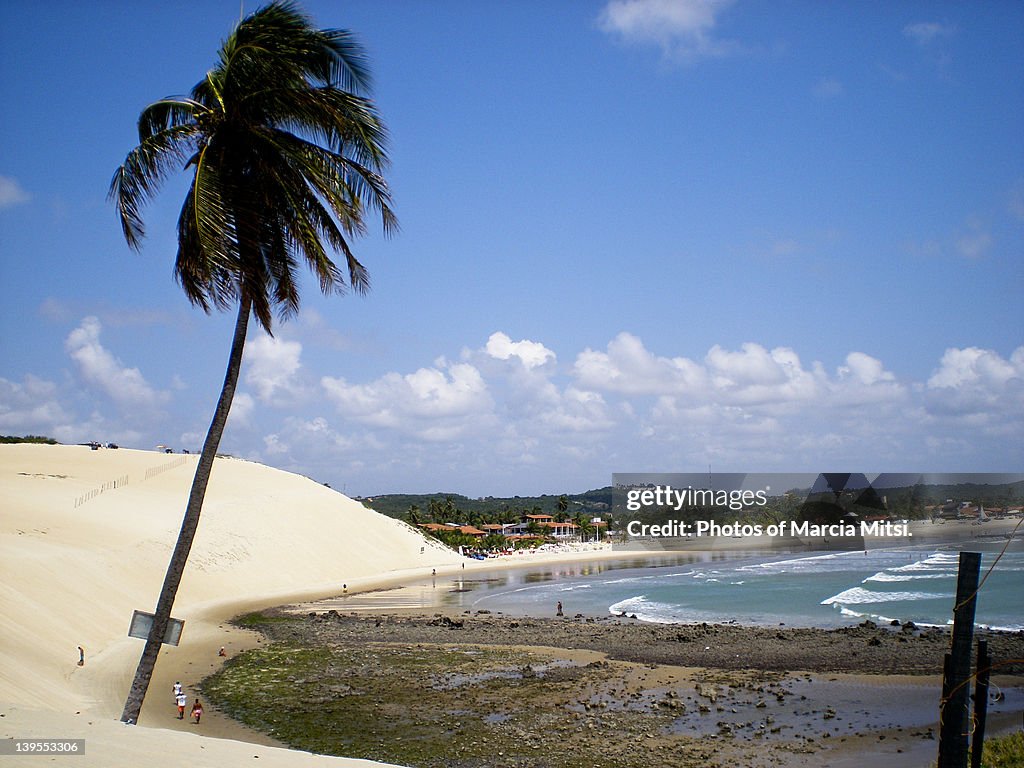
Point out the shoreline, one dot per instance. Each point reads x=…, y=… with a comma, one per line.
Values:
x=806, y=694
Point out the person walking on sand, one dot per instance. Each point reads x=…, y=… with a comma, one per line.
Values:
x=197, y=711
x=181, y=700
x=177, y=690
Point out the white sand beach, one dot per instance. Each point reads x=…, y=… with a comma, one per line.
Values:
x=85, y=537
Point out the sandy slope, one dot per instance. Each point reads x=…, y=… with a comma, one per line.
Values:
x=84, y=539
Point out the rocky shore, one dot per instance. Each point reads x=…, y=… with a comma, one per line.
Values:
x=867, y=648
x=476, y=690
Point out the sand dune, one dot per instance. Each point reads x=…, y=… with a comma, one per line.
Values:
x=84, y=540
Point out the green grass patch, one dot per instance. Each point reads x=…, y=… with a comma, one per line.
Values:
x=429, y=706
x=1003, y=751
x=261, y=619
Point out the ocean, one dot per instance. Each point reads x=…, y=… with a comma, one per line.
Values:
x=835, y=589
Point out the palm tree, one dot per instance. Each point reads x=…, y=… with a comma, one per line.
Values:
x=285, y=153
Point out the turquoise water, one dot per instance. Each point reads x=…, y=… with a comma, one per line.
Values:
x=815, y=590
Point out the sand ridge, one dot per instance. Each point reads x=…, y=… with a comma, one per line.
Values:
x=85, y=537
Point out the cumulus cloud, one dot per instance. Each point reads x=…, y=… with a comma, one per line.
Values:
x=974, y=367
x=865, y=369
x=11, y=193
x=754, y=374
x=271, y=365
x=431, y=403
x=273, y=446
x=103, y=370
x=974, y=396
x=681, y=28
x=31, y=406
x=627, y=367
x=749, y=375
x=532, y=354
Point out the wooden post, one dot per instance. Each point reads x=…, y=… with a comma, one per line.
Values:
x=953, y=713
x=980, y=703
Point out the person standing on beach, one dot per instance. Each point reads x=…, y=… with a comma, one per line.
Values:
x=197, y=711
x=558, y=612
x=177, y=690
x=81, y=656
x=181, y=700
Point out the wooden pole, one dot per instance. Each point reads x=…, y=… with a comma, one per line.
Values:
x=980, y=703
x=953, y=712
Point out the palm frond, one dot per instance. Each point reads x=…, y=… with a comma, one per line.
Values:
x=144, y=170
x=287, y=155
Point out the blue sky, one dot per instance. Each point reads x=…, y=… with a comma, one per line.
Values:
x=637, y=236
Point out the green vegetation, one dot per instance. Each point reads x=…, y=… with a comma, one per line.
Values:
x=449, y=507
x=1003, y=751
x=28, y=439
x=260, y=619
x=435, y=706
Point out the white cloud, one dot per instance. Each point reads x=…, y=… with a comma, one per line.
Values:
x=271, y=365
x=31, y=407
x=975, y=396
x=925, y=32
x=102, y=369
x=865, y=369
x=11, y=193
x=432, y=404
x=750, y=375
x=681, y=28
x=532, y=354
x=242, y=407
x=974, y=367
x=628, y=368
x=273, y=446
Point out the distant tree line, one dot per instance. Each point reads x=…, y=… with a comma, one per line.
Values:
x=447, y=511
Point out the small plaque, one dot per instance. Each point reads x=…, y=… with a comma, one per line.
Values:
x=142, y=622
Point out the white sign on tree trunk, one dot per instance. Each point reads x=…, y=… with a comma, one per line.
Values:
x=142, y=622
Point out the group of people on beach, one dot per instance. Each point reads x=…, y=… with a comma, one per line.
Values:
x=181, y=700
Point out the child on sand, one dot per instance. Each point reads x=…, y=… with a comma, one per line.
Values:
x=197, y=711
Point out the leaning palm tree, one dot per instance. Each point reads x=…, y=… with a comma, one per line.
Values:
x=285, y=153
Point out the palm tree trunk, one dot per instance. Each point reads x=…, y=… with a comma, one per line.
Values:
x=176, y=566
